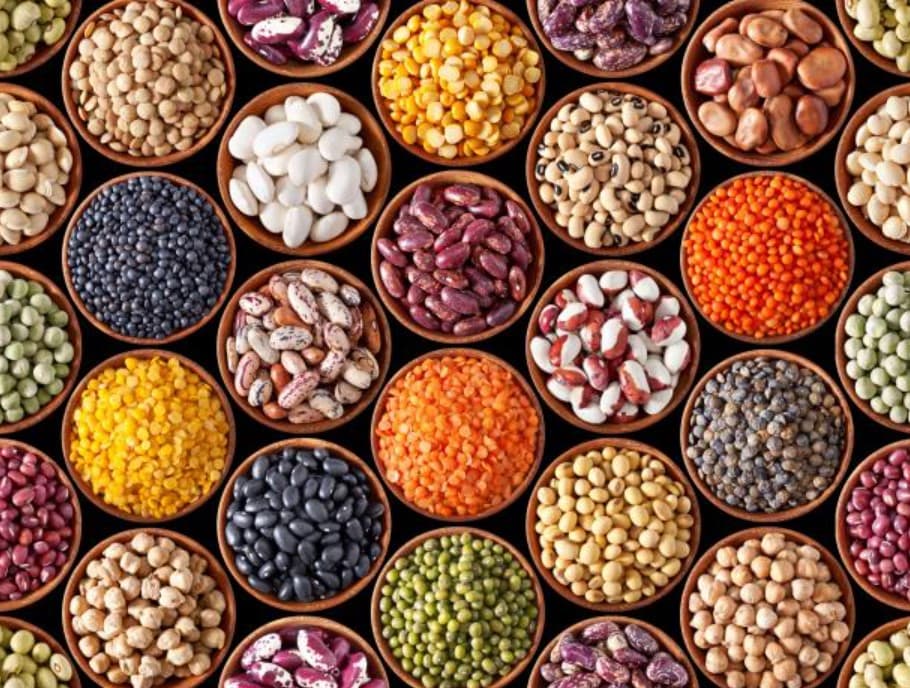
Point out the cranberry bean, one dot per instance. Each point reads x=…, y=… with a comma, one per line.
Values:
x=518, y=216
x=406, y=224
x=475, y=232
x=422, y=193
x=518, y=284
x=440, y=310
x=462, y=194
x=450, y=236
x=415, y=295
x=481, y=284
x=424, y=260
x=429, y=216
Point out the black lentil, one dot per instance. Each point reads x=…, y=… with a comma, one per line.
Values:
x=294, y=533
x=766, y=435
x=149, y=257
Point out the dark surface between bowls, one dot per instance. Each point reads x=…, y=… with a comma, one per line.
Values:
x=818, y=346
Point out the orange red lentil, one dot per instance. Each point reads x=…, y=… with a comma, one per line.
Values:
x=766, y=256
x=458, y=435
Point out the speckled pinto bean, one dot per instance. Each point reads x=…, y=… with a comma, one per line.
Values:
x=465, y=244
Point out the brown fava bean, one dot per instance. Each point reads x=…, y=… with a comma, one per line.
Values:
x=822, y=67
x=811, y=115
x=766, y=78
x=752, y=129
x=742, y=95
x=766, y=32
x=728, y=25
x=798, y=47
x=786, y=61
x=784, y=132
x=713, y=77
x=832, y=95
x=717, y=118
x=802, y=26
x=738, y=50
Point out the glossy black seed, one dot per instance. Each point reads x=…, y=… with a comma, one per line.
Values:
x=316, y=510
x=290, y=497
x=326, y=487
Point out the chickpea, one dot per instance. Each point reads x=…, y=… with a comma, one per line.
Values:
x=139, y=637
x=100, y=663
x=212, y=638
x=114, y=599
x=180, y=655
x=169, y=639
x=716, y=661
x=170, y=597
x=199, y=664
x=92, y=620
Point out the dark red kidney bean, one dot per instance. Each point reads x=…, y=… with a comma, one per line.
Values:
x=440, y=310
x=391, y=279
x=508, y=227
x=475, y=232
x=481, y=284
x=407, y=223
x=493, y=264
x=415, y=240
x=429, y=216
x=453, y=256
x=450, y=236
x=424, y=260
x=520, y=255
x=500, y=313
x=518, y=284
x=423, y=317
x=451, y=278
x=518, y=216
x=469, y=326
x=415, y=295
x=460, y=301
x=462, y=194
x=499, y=242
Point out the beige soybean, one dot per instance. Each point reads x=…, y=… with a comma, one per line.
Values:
x=613, y=526
x=148, y=80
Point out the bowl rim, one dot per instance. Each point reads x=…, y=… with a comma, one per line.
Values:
x=259, y=279
x=47, y=52
x=838, y=575
x=792, y=512
x=546, y=213
x=227, y=553
x=66, y=434
x=784, y=338
x=695, y=53
x=41, y=635
x=384, y=230
x=226, y=164
x=214, y=569
x=379, y=410
x=379, y=102
x=72, y=109
x=673, y=470
x=886, y=629
x=176, y=335
x=47, y=588
x=862, y=47
x=687, y=376
x=453, y=531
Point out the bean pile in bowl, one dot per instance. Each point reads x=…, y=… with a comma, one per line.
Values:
x=882, y=657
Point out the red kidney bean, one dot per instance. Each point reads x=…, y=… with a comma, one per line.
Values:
x=518, y=216
x=449, y=237
x=470, y=326
x=415, y=295
x=406, y=224
x=391, y=279
x=422, y=193
x=500, y=313
x=493, y=264
x=510, y=229
x=440, y=310
x=520, y=255
x=481, y=284
x=518, y=285
x=429, y=216
x=462, y=194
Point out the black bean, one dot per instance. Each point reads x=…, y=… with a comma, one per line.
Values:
x=330, y=538
x=303, y=589
x=267, y=570
x=286, y=590
x=261, y=466
x=276, y=480
x=354, y=530
x=258, y=584
x=306, y=552
x=266, y=518
x=316, y=510
x=345, y=511
x=326, y=487
x=242, y=519
x=285, y=539
x=362, y=567
x=233, y=534
x=335, y=467
x=290, y=497
x=329, y=527
x=264, y=548
x=347, y=577
x=251, y=488
x=299, y=475
x=340, y=493
x=243, y=565
x=331, y=580
x=300, y=527
x=351, y=553
x=256, y=504
x=310, y=487
x=332, y=554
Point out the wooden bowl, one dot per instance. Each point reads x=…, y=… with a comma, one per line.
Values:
x=46, y=52
x=549, y=215
x=227, y=553
x=840, y=337
x=777, y=339
x=673, y=471
x=587, y=66
x=410, y=546
x=380, y=103
x=862, y=47
x=844, y=180
x=379, y=410
x=45, y=106
x=686, y=378
x=373, y=140
x=76, y=539
x=42, y=636
x=880, y=633
x=736, y=539
x=295, y=69
x=74, y=401
x=843, y=537
x=176, y=335
x=786, y=514
x=73, y=109
x=668, y=645
x=214, y=569
x=697, y=53
x=225, y=327
x=384, y=230
x=75, y=338
x=374, y=665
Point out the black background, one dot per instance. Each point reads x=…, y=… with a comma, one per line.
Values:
x=560, y=258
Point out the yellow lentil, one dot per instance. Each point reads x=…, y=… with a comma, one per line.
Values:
x=149, y=436
x=454, y=65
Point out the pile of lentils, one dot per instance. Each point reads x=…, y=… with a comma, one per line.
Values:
x=766, y=435
x=458, y=610
x=303, y=524
x=148, y=257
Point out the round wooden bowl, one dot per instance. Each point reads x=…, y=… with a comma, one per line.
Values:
x=45, y=106
x=227, y=553
x=380, y=103
x=384, y=230
x=686, y=378
x=668, y=645
x=786, y=514
x=46, y=52
x=67, y=433
x=75, y=338
x=43, y=636
x=214, y=569
x=293, y=68
x=76, y=525
x=374, y=665
x=777, y=339
x=373, y=139
x=843, y=537
x=697, y=53
x=736, y=539
x=587, y=66
x=379, y=410
x=176, y=335
x=840, y=337
x=844, y=180
x=862, y=47
x=880, y=633
x=410, y=546
x=673, y=471
x=225, y=327
x=549, y=215
x=73, y=109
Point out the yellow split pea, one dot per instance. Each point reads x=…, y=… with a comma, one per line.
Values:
x=149, y=436
x=459, y=79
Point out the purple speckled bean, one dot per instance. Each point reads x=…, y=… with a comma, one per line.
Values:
x=486, y=208
x=639, y=680
x=599, y=631
x=477, y=230
x=450, y=236
x=470, y=326
x=520, y=255
x=254, y=11
x=462, y=195
x=313, y=650
x=391, y=279
x=518, y=283
x=407, y=223
x=308, y=677
x=493, y=264
x=453, y=256
x=261, y=648
x=424, y=260
x=424, y=318
x=508, y=227
x=518, y=216
x=415, y=240
x=390, y=252
x=451, y=278
x=439, y=309
x=610, y=670
x=415, y=295
x=462, y=302
x=499, y=242
x=429, y=216
x=481, y=284
x=271, y=675
x=423, y=192
x=498, y=314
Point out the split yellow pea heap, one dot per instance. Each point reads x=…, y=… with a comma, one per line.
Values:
x=149, y=437
x=459, y=79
